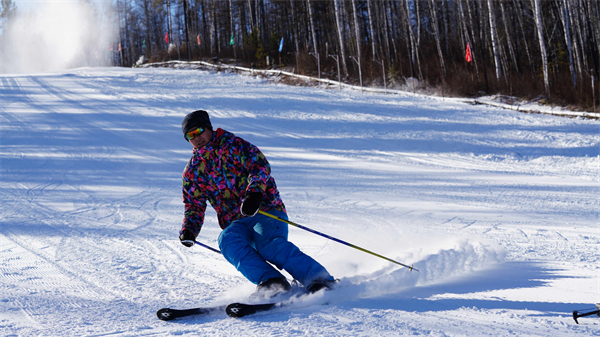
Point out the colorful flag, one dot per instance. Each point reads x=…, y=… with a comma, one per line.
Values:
x=111, y=47
x=119, y=46
x=167, y=37
x=198, y=39
x=232, y=41
x=144, y=43
x=468, y=57
x=281, y=45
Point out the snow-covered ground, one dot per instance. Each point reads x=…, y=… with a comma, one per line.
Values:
x=497, y=209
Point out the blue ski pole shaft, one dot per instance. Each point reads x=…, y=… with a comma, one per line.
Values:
x=336, y=240
x=207, y=247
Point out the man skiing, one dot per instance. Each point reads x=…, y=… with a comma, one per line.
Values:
x=235, y=177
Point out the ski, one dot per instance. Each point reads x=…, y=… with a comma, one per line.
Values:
x=233, y=310
x=238, y=310
x=167, y=314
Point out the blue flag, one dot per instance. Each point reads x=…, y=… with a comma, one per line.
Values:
x=281, y=45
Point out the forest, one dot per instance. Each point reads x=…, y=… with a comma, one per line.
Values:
x=544, y=50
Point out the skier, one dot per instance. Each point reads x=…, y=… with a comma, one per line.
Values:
x=235, y=177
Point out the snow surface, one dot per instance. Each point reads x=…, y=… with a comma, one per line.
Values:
x=497, y=209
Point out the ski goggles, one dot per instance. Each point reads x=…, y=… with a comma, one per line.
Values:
x=194, y=133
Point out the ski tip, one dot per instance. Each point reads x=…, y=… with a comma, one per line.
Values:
x=165, y=314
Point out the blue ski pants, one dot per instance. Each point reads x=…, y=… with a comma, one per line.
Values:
x=251, y=243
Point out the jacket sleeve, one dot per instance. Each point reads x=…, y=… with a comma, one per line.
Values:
x=259, y=169
x=195, y=204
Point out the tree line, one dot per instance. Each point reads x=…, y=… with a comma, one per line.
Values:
x=548, y=49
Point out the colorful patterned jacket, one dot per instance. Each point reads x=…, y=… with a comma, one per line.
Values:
x=223, y=172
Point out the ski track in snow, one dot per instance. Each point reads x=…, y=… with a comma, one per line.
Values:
x=497, y=209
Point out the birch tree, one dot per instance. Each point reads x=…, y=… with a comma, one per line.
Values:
x=578, y=38
x=356, y=31
x=340, y=36
x=540, y=31
x=312, y=26
x=509, y=38
x=437, y=36
x=494, y=39
x=294, y=27
x=371, y=29
x=413, y=43
x=564, y=16
x=594, y=17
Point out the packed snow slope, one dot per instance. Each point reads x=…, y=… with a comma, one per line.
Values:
x=497, y=209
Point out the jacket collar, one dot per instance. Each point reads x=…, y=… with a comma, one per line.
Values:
x=212, y=145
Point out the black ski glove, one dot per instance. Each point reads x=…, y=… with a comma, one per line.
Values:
x=251, y=204
x=187, y=238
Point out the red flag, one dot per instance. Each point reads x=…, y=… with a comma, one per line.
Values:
x=468, y=57
x=198, y=39
x=119, y=47
x=167, y=37
x=111, y=47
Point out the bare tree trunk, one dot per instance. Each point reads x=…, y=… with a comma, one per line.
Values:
x=578, y=30
x=494, y=39
x=146, y=7
x=129, y=52
x=587, y=41
x=445, y=20
x=418, y=17
x=567, y=30
x=294, y=27
x=312, y=26
x=508, y=38
x=413, y=43
x=437, y=36
x=260, y=19
x=460, y=25
x=340, y=36
x=231, y=28
x=525, y=40
x=187, y=35
x=386, y=29
x=356, y=32
x=595, y=29
x=213, y=31
x=479, y=10
x=204, y=27
x=540, y=30
x=576, y=45
x=120, y=33
x=371, y=28
x=250, y=15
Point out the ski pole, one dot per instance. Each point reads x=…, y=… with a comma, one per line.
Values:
x=336, y=240
x=577, y=314
x=207, y=247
